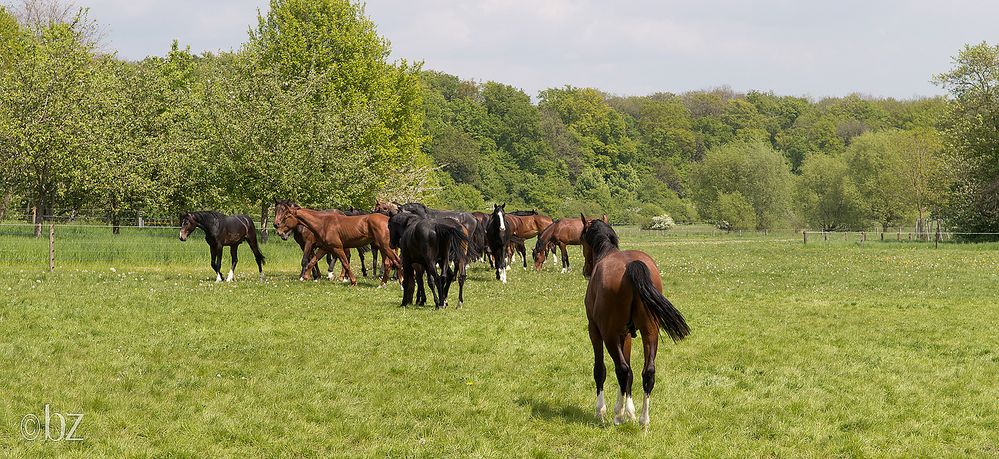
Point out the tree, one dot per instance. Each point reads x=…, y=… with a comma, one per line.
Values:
x=754, y=170
x=826, y=197
x=973, y=136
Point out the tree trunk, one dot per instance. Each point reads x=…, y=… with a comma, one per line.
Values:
x=264, y=212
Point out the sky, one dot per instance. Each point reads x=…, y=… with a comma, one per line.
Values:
x=885, y=48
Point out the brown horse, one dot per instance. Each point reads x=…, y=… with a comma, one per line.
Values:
x=336, y=233
x=624, y=294
x=525, y=225
x=561, y=233
x=307, y=241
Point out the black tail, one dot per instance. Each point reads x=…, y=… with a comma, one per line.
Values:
x=659, y=307
x=251, y=239
x=451, y=240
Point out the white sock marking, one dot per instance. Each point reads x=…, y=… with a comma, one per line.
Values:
x=601, y=406
x=229, y=278
x=218, y=277
x=629, y=408
x=563, y=271
x=619, y=410
x=644, y=420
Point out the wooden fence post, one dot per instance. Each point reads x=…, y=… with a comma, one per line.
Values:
x=51, y=248
x=34, y=221
x=936, y=242
x=804, y=237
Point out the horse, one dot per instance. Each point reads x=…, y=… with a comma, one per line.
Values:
x=477, y=237
x=480, y=233
x=306, y=240
x=221, y=231
x=336, y=232
x=515, y=246
x=428, y=243
x=527, y=224
x=624, y=294
x=498, y=235
x=561, y=233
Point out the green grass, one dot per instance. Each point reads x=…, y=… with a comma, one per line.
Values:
x=829, y=349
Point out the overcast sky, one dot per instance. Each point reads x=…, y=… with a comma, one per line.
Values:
x=627, y=47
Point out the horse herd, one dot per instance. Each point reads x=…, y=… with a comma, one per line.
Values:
x=412, y=239
x=624, y=291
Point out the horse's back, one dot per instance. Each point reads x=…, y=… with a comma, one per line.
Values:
x=610, y=293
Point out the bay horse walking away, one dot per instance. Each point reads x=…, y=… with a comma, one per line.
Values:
x=624, y=294
x=336, y=233
x=497, y=238
x=222, y=231
x=560, y=234
x=429, y=244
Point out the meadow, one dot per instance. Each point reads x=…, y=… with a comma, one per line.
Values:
x=818, y=350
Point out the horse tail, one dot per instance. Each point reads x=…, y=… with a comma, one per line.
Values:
x=451, y=240
x=660, y=308
x=251, y=239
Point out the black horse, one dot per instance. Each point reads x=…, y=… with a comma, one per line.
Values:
x=498, y=234
x=221, y=231
x=428, y=244
x=467, y=220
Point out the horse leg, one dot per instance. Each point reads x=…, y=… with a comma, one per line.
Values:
x=389, y=260
x=565, y=257
x=345, y=261
x=462, y=275
x=232, y=269
x=599, y=370
x=421, y=294
x=374, y=261
x=313, y=260
x=409, y=278
x=434, y=281
x=343, y=267
x=650, y=343
x=330, y=263
x=217, y=262
x=306, y=256
x=523, y=255
x=622, y=367
x=364, y=267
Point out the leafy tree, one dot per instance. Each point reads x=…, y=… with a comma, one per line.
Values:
x=753, y=169
x=973, y=135
x=735, y=212
x=826, y=197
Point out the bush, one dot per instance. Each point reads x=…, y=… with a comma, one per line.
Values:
x=661, y=222
x=735, y=212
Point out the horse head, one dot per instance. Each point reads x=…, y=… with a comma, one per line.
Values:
x=498, y=210
x=187, y=225
x=285, y=218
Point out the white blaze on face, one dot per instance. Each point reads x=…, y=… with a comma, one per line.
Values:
x=502, y=220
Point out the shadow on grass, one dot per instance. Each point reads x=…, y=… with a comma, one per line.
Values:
x=547, y=411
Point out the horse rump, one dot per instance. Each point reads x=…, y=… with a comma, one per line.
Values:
x=665, y=314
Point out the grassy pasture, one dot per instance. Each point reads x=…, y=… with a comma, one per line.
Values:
x=829, y=349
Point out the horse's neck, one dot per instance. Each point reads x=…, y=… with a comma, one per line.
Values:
x=210, y=227
x=310, y=219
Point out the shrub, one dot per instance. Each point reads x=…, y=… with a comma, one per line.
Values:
x=661, y=222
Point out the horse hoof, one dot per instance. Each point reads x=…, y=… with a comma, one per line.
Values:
x=618, y=420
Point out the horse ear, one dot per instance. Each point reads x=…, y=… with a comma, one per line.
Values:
x=605, y=218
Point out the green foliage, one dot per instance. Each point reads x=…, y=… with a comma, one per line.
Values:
x=973, y=135
x=826, y=196
x=734, y=212
x=753, y=170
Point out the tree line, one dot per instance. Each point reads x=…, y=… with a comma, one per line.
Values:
x=310, y=108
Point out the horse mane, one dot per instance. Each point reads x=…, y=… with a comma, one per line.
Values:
x=601, y=237
x=523, y=213
x=207, y=217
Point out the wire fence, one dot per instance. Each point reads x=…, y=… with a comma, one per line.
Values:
x=81, y=244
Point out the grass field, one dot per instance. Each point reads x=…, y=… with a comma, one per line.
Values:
x=829, y=349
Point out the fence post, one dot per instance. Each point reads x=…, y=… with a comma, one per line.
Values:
x=863, y=237
x=936, y=242
x=804, y=237
x=51, y=248
x=34, y=221
x=825, y=235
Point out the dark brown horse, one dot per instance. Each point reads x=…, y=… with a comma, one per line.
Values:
x=624, y=294
x=223, y=231
x=336, y=233
x=560, y=234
